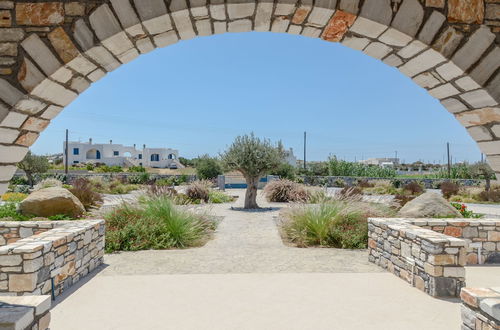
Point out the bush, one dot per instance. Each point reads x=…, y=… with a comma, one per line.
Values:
x=155, y=224
x=47, y=183
x=449, y=189
x=109, y=169
x=462, y=208
x=14, y=197
x=208, y=168
x=89, y=167
x=490, y=196
x=413, y=188
x=24, y=189
x=138, y=169
x=19, y=180
x=283, y=191
x=285, y=171
x=138, y=179
x=339, y=224
x=155, y=190
x=343, y=168
x=9, y=211
x=217, y=197
x=351, y=192
x=365, y=184
x=402, y=199
x=199, y=190
x=83, y=190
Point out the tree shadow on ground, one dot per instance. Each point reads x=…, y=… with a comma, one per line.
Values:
x=259, y=210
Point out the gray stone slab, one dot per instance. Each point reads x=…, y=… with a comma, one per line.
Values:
x=104, y=22
x=377, y=10
x=475, y=47
x=149, y=9
x=125, y=12
x=488, y=65
x=41, y=54
x=8, y=93
x=83, y=35
x=409, y=17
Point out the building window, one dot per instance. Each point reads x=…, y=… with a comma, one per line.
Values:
x=140, y=156
x=76, y=151
x=75, y=162
x=116, y=153
x=155, y=157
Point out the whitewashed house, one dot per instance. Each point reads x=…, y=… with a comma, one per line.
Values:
x=118, y=154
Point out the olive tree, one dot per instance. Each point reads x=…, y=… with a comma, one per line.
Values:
x=32, y=164
x=253, y=158
x=482, y=171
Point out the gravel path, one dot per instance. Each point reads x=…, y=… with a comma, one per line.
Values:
x=245, y=242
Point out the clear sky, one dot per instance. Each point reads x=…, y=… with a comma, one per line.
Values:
x=197, y=95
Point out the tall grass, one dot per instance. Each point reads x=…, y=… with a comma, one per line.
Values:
x=156, y=223
x=336, y=223
x=343, y=168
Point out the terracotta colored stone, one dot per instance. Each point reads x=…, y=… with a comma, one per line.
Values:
x=472, y=259
x=442, y=259
x=453, y=231
x=5, y=18
x=35, y=124
x=40, y=14
x=466, y=11
x=479, y=116
x=300, y=15
x=494, y=236
x=63, y=45
x=434, y=3
x=27, y=139
x=372, y=244
x=338, y=26
x=75, y=9
x=471, y=296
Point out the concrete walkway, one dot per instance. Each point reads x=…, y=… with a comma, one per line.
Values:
x=246, y=278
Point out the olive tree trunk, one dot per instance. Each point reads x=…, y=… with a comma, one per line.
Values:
x=251, y=193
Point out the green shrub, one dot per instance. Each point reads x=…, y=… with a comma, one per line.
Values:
x=216, y=197
x=138, y=169
x=89, y=166
x=9, y=211
x=343, y=168
x=338, y=223
x=84, y=191
x=285, y=171
x=18, y=180
x=155, y=224
x=462, y=208
x=284, y=191
x=109, y=169
x=208, y=168
x=138, y=179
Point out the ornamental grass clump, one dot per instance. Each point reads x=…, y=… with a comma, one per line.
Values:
x=283, y=191
x=199, y=190
x=156, y=223
x=336, y=223
x=83, y=189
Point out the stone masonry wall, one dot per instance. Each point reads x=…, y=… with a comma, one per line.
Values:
x=484, y=232
x=432, y=262
x=480, y=308
x=58, y=257
x=11, y=232
x=51, y=51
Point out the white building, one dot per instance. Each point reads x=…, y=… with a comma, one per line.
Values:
x=383, y=162
x=290, y=158
x=118, y=154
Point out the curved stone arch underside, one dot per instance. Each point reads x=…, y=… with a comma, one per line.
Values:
x=56, y=50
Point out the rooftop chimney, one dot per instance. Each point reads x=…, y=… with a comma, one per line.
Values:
x=110, y=141
x=90, y=141
x=144, y=146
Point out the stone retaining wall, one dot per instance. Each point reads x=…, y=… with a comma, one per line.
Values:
x=430, y=261
x=25, y=313
x=480, y=308
x=53, y=259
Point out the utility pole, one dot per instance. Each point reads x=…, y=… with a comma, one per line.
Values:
x=305, y=140
x=482, y=158
x=66, y=154
x=449, y=159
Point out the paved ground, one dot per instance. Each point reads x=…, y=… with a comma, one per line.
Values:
x=245, y=278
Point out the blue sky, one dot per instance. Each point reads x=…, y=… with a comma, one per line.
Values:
x=197, y=95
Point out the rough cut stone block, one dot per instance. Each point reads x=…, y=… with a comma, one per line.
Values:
x=165, y=39
x=448, y=41
x=263, y=16
x=449, y=71
x=393, y=60
x=144, y=45
x=488, y=65
x=377, y=10
x=102, y=56
x=475, y=47
x=218, y=12
x=356, y=43
x=319, y=16
x=13, y=119
x=41, y=54
x=204, y=27
x=368, y=28
x=126, y=13
x=421, y=63
x=55, y=93
x=284, y=9
x=199, y=12
x=338, y=26
x=51, y=112
x=490, y=148
x=30, y=106
x=444, y=91
x=479, y=117
x=81, y=65
x=377, y=50
x=280, y=24
x=22, y=282
x=63, y=45
x=479, y=98
x=159, y=24
x=183, y=24
x=12, y=154
x=96, y=75
x=128, y=55
x=119, y=45
x=40, y=14
x=82, y=34
x=496, y=130
x=62, y=75
x=27, y=139
x=412, y=49
x=104, y=23
x=11, y=34
x=311, y=32
x=409, y=17
x=395, y=38
x=220, y=27
x=8, y=93
x=8, y=135
x=454, y=105
x=469, y=11
x=240, y=10
x=295, y=29
x=467, y=84
x=301, y=14
x=350, y=6
x=242, y=25
x=6, y=172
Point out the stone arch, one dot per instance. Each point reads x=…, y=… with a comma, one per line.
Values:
x=93, y=154
x=56, y=50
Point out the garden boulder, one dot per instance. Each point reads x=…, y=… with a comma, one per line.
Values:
x=428, y=205
x=51, y=201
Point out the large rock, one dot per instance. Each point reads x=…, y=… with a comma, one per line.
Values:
x=428, y=205
x=51, y=201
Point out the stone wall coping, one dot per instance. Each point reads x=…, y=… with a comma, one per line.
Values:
x=19, y=312
x=485, y=299
x=63, y=231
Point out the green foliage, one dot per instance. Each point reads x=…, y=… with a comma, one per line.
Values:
x=462, y=208
x=109, y=169
x=14, y=197
x=208, y=168
x=60, y=217
x=32, y=164
x=217, y=197
x=18, y=180
x=9, y=211
x=186, y=162
x=285, y=171
x=138, y=169
x=172, y=181
x=337, y=223
x=138, y=178
x=89, y=167
x=155, y=224
x=343, y=168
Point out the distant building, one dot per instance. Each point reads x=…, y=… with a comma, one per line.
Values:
x=383, y=162
x=290, y=157
x=118, y=154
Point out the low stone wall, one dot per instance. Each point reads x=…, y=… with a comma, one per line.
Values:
x=428, y=260
x=480, y=308
x=25, y=313
x=56, y=257
x=482, y=236
x=431, y=254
